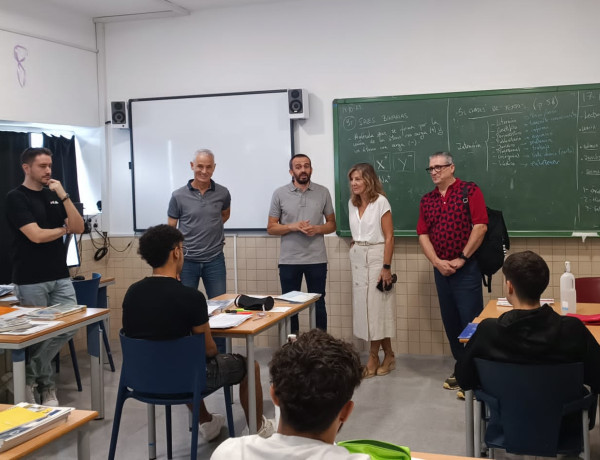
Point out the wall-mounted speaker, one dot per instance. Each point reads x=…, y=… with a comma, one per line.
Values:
x=118, y=110
x=298, y=103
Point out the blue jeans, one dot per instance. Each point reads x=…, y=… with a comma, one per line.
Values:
x=290, y=277
x=38, y=369
x=461, y=300
x=214, y=277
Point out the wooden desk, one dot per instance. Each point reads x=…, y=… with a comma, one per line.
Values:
x=254, y=326
x=92, y=319
x=492, y=310
x=77, y=420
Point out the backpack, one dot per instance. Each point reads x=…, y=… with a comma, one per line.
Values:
x=490, y=255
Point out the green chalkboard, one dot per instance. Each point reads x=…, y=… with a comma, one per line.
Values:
x=535, y=153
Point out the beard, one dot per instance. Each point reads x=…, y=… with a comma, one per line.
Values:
x=302, y=178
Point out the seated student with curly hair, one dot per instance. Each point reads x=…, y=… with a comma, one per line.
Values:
x=159, y=307
x=312, y=381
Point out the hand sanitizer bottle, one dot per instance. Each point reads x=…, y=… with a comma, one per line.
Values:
x=568, y=297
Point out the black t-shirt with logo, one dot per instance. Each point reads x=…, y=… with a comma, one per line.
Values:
x=161, y=308
x=36, y=262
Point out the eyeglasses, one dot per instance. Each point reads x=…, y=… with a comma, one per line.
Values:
x=436, y=168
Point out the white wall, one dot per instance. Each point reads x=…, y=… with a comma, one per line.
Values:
x=59, y=65
x=348, y=48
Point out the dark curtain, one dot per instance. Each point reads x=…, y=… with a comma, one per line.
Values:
x=11, y=176
x=64, y=163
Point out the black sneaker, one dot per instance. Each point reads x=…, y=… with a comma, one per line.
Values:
x=451, y=384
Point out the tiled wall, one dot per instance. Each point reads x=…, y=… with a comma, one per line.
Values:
x=419, y=327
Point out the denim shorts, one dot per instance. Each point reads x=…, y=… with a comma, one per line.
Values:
x=224, y=369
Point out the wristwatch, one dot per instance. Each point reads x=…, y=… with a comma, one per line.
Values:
x=67, y=196
x=463, y=257
x=387, y=266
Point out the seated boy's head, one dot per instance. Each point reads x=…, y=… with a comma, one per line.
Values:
x=312, y=379
x=529, y=275
x=157, y=242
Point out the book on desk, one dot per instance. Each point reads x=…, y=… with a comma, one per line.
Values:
x=24, y=421
x=55, y=311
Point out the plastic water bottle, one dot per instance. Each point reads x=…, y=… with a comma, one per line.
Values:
x=568, y=297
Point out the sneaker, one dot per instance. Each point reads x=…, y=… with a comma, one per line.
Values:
x=460, y=394
x=267, y=428
x=450, y=383
x=30, y=394
x=210, y=430
x=48, y=397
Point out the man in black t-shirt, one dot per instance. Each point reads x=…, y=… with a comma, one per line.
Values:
x=40, y=213
x=159, y=307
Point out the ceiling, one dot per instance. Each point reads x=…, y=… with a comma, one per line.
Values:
x=127, y=10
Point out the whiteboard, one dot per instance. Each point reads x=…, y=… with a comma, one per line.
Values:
x=249, y=133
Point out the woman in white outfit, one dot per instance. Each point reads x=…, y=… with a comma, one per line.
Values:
x=371, y=250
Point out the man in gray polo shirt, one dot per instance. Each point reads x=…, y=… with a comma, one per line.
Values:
x=201, y=207
x=296, y=214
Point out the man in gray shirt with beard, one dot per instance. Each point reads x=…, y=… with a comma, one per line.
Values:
x=301, y=213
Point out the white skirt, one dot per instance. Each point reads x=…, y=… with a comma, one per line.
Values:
x=374, y=315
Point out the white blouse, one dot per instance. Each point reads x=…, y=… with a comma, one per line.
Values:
x=368, y=227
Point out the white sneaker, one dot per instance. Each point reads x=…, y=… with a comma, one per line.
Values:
x=48, y=397
x=267, y=428
x=30, y=394
x=210, y=430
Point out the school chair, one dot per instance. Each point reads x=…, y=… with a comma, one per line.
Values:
x=535, y=409
x=165, y=372
x=588, y=289
x=87, y=294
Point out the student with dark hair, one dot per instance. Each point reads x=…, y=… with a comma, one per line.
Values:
x=40, y=212
x=530, y=333
x=312, y=381
x=159, y=307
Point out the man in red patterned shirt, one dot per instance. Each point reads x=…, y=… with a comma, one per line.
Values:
x=449, y=239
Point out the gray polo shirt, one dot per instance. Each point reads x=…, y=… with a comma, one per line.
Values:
x=200, y=219
x=289, y=204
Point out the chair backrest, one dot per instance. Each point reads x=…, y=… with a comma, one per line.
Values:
x=164, y=366
x=87, y=290
x=527, y=403
x=588, y=289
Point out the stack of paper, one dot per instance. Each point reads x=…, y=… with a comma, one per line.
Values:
x=25, y=421
x=214, y=305
x=226, y=320
x=14, y=324
x=298, y=297
x=56, y=311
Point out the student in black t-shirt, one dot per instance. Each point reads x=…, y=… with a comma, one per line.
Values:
x=159, y=307
x=40, y=213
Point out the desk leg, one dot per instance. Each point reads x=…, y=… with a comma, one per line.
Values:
x=312, y=315
x=469, y=422
x=94, y=344
x=83, y=443
x=281, y=326
x=18, y=369
x=477, y=430
x=151, y=432
x=252, y=428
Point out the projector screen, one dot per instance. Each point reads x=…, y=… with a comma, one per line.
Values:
x=250, y=134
